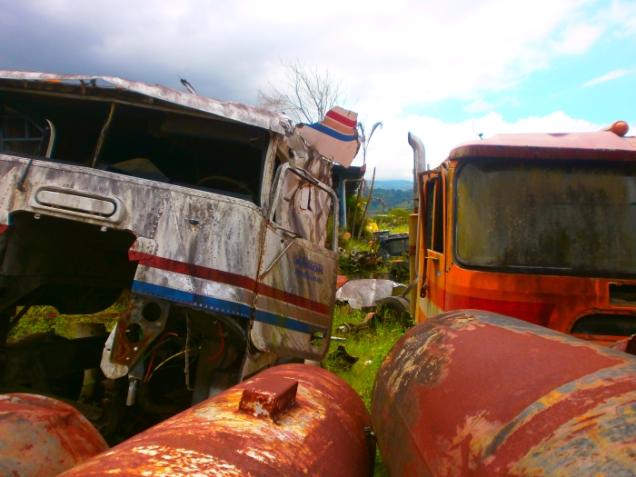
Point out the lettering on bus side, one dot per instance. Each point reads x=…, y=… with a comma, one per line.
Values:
x=308, y=269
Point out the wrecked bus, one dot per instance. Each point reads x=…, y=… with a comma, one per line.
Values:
x=535, y=226
x=210, y=217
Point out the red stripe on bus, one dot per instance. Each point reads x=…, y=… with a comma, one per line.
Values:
x=343, y=119
x=228, y=278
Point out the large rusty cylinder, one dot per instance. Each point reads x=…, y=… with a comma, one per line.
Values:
x=473, y=393
x=289, y=420
x=41, y=436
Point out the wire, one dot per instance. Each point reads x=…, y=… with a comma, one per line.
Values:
x=163, y=339
x=169, y=358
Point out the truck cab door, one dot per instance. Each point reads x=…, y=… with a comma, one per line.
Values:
x=297, y=277
x=432, y=250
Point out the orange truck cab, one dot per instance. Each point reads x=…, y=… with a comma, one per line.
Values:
x=541, y=227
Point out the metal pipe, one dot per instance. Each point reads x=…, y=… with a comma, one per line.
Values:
x=419, y=165
x=344, y=201
x=292, y=420
x=475, y=393
x=306, y=176
x=366, y=206
x=42, y=437
x=103, y=133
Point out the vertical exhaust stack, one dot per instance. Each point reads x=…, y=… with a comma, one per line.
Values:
x=292, y=420
x=419, y=165
x=41, y=437
x=477, y=393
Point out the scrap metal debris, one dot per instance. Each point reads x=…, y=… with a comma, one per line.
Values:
x=341, y=359
x=366, y=292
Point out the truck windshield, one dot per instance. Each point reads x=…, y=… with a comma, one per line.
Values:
x=557, y=217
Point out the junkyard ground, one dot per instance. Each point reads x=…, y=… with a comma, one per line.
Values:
x=370, y=346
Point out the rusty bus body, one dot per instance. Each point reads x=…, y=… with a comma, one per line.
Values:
x=211, y=215
x=540, y=227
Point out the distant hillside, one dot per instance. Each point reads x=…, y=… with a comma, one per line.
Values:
x=399, y=184
x=385, y=198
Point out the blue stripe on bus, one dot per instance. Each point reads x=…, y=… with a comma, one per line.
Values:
x=221, y=306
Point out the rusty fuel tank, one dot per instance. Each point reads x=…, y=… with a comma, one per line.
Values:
x=41, y=437
x=291, y=420
x=472, y=393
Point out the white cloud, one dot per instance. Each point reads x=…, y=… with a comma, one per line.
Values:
x=406, y=51
x=577, y=39
x=610, y=76
x=392, y=56
x=621, y=14
x=479, y=106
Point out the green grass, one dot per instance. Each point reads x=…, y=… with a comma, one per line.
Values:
x=399, y=229
x=46, y=319
x=395, y=221
x=370, y=346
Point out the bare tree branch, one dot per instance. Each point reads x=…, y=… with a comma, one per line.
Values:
x=306, y=97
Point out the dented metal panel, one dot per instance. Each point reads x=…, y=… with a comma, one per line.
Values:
x=319, y=431
x=295, y=297
x=476, y=393
x=41, y=437
x=170, y=216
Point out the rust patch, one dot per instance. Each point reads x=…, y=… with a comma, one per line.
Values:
x=599, y=441
x=270, y=398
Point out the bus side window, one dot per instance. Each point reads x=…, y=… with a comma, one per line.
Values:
x=438, y=219
x=428, y=225
x=434, y=226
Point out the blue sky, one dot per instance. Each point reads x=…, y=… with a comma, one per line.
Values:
x=599, y=86
x=443, y=70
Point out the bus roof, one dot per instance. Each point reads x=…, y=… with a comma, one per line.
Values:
x=589, y=145
x=118, y=89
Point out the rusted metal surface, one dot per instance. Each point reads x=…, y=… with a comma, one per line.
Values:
x=269, y=398
x=322, y=434
x=605, y=145
x=627, y=345
x=41, y=437
x=473, y=393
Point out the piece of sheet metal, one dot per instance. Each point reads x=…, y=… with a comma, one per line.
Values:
x=320, y=430
x=41, y=436
x=366, y=292
x=474, y=393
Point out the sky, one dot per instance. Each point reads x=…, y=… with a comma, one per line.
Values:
x=446, y=71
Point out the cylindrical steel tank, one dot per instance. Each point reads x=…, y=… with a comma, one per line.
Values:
x=41, y=437
x=473, y=393
x=290, y=420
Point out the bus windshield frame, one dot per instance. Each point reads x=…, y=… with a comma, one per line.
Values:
x=557, y=217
